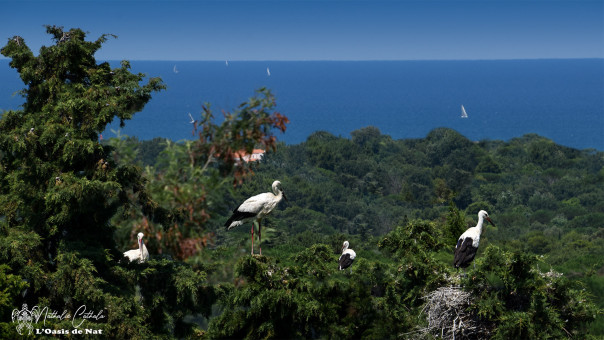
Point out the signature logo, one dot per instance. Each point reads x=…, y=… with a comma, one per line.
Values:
x=25, y=318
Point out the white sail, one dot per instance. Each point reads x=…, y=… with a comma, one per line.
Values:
x=226, y=62
x=175, y=69
x=463, y=112
x=268, y=72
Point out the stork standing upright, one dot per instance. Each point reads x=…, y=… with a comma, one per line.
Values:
x=141, y=254
x=467, y=244
x=254, y=209
x=347, y=256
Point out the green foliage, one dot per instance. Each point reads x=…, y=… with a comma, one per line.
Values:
x=10, y=287
x=414, y=246
x=60, y=187
x=522, y=302
x=454, y=227
x=308, y=299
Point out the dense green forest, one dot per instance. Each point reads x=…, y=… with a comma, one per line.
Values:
x=71, y=204
x=545, y=200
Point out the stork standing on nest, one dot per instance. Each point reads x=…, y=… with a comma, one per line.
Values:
x=141, y=254
x=467, y=244
x=254, y=209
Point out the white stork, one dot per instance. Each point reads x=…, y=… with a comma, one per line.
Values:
x=141, y=254
x=254, y=209
x=347, y=256
x=468, y=242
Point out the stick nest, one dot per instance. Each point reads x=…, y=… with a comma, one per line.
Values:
x=449, y=317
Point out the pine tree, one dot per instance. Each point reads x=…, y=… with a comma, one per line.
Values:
x=309, y=299
x=516, y=299
x=59, y=188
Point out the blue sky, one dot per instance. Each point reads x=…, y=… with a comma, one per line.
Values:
x=319, y=30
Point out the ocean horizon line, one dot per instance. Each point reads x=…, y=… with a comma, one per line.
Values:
x=345, y=60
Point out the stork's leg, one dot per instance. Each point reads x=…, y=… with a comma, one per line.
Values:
x=260, y=236
x=252, y=238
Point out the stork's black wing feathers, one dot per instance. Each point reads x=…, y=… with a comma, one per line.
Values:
x=238, y=216
x=464, y=253
x=345, y=261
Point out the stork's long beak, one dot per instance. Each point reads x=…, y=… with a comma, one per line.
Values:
x=488, y=219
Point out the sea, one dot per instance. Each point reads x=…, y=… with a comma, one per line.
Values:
x=560, y=99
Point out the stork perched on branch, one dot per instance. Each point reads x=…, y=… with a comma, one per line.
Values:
x=467, y=244
x=254, y=209
x=141, y=254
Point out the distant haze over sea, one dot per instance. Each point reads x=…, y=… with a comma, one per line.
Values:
x=559, y=99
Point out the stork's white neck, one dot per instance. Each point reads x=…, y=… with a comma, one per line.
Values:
x=480, y=223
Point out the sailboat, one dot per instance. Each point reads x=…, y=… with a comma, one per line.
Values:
x=175, y=69
x=463, y=112
x=268, y=72
x=226, y=62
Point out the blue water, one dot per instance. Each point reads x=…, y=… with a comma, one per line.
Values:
x=560, y=99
